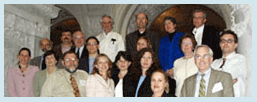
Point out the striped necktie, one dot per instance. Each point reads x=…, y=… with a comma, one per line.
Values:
x=202, y=87
x=224, y=60
x=75, y=86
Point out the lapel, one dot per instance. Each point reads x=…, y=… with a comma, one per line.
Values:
x=43, y=75
x=212, y=81
x=102, y=81
x=84, y=52
x=191, y=84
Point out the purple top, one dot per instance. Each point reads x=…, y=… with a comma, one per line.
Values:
x=19, y=84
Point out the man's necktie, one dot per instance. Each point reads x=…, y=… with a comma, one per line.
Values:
x=78, y=53
x=74, y=86
x=202, y=87
x=224, y=60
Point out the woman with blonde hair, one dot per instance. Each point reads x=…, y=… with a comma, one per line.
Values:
x=99, y=83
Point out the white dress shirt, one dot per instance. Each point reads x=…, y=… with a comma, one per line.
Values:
x=198, y=32
x=235, y=64
x=80, y=50
x=198, y=80
x=183, y=68
x=119, y=89
x=111, y=44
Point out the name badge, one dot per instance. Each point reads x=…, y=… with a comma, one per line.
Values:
x=82, y=82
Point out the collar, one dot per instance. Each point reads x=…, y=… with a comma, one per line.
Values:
x=104, y=34
x=82, y=47
x=200, y=29
x=207, y=72
x=52, y=72
x=230, y=55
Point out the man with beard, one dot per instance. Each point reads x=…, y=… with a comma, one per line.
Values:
x=67, y=82
x=45, y=45
x=66, y=44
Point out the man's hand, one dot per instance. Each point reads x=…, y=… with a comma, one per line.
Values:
x=170, y=72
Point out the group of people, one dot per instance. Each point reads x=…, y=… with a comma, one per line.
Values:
x=201, y=64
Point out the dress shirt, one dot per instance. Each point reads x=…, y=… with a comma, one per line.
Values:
x=19, y=84
x=183, y=68
x=97, y=86
x=141, y=80
x=198, y=32
x=91, y=65
x=119, y=89
x=111, y=44
x=80, y=50
x=198, y=80
x=58, y=84
x=235, y=65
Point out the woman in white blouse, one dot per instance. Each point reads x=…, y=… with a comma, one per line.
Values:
x=185, y=66
x=99, y=83
x=120, y=73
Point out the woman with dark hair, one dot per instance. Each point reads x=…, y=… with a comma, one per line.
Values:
x=120, y=73
x=99, y=83
x=21, y=77
x=50, y=59
x=185, y=66
x=145, y=62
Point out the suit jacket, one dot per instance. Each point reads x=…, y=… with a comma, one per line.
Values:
x=39, y=80
x=96, y=86
x=131, y=41
x=188, y=89
x=36, y=61
x=211, y=37
x=58, y=50
x=83, y=60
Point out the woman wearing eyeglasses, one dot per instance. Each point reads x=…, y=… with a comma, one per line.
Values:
x=185, y=66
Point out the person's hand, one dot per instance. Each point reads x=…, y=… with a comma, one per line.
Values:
x=170, y=72
x=235, y=80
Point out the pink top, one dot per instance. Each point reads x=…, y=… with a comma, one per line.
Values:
x=19, y=84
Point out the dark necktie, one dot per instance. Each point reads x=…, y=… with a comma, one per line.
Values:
x=74, y=86
x=224, y=60
x=78, y=53
x=202, y=87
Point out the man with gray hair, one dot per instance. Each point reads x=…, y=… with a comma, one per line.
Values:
x=207, y=82
x=204, y=34
x=110, y=42
x=45, y=45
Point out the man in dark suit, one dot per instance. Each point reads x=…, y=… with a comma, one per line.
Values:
x=45, y=45
x=205, y=34
x=207, y=82
x=131, y=39
x=80, y=50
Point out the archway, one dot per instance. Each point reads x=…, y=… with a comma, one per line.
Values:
x=183, y=14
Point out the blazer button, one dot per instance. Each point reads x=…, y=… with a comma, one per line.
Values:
x=23, y=75
x=23, y=88
x=22, y=81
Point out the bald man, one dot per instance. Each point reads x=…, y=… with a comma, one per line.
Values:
x=45, y=45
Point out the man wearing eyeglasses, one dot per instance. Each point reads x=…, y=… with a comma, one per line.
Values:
x=67, y=82
x=207, y=82
x=204, y=34
x=80, y=49
x=232, y=62
x=110, y=42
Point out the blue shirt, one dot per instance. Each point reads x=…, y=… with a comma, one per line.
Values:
x=141, y=80
x=91, y=65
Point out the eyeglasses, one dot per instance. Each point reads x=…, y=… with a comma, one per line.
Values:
x=91, y=44
x=227, y=41
x=205, y=56
x=68, y=60
x=147, y=58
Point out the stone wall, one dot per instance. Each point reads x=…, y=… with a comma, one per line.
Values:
x=24, y=26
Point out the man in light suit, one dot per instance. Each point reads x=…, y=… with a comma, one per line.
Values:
x=207, y=82
x=204, y=34
x=81, y=50
x=45, y=45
